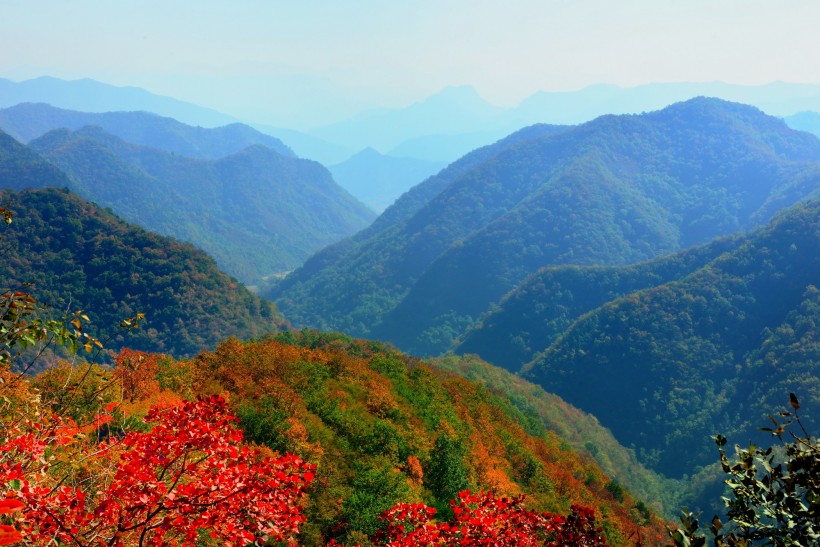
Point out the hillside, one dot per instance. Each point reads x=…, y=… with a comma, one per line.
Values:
x=714, y=351
x=377, y=180
x=350, y=263
x=21, y=167
x=617, y=190
x=80, y=257
x=27, y=121
x=383, y=427
x=534, y=314
x=258, y=213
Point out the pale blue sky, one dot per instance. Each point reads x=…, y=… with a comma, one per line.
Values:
x=311, y=60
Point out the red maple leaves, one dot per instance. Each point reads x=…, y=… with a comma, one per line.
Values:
x=484, y=519
x=189, y=474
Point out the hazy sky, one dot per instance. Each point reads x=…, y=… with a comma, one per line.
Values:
x=310, y=60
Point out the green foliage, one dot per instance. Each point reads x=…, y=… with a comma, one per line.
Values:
x=774, y=495
x=446, y=474
x=543, y=414
x=383, y=427
x=21, y=167
x=538, y=311
x=264, y=423
x=73, y=255
x=664, y=366
x=374, y=490
x=616, y=490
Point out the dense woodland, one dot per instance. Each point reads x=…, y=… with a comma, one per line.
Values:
x=72, y=255
x=713, y=351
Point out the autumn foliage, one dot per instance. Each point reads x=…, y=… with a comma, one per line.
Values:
x=484, y=519
x=130, y=456
x=187, y=476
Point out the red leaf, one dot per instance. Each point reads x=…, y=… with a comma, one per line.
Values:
x=9, y=535
x=9, y=505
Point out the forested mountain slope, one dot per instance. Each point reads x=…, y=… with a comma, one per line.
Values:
x=256, y=212
x=80, y=257
x=534, y=314
x=667, y=366
x=616, y=190
x=27, y=121
x=383, y=427
x=21, y=167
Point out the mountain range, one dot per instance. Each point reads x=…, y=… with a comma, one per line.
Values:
x=442, y=127
x=27, y=121
x=89, y=95
x=256, y=211
x=658, y=271
x=616, y=190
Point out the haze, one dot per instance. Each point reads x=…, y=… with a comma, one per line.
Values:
x=303, y=64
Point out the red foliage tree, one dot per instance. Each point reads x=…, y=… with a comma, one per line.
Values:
x=190, y=474
x=484, y=519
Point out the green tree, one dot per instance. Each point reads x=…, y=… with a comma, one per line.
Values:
x=446, y=475
x=774, y=500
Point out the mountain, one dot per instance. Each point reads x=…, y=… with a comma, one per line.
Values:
x=28, y=121
x=383, y=427
x=446, y=148
x=88, y=95
x=617, y=190
x=805, y=121
x=256, y=212
x=540, y=309
x=456, y=120
x=378, y=180
x=80, y=257
x=777, y=99
x=454, y=110
x=375, y=257
x=669, y=365
x=21, y=167
x=307, y=146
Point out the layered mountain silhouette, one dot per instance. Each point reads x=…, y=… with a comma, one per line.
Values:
x=89, y=95
x=27, y=121
x=617, y=190
x=377, y=180
x=256, y=212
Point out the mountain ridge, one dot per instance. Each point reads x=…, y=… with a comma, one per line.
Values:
x=615, y=190
x=28, y=121
x=246, y=209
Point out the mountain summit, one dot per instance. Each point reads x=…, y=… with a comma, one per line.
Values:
x=615, y=190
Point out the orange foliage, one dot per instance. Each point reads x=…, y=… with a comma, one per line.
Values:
x=413, y=469
x=137, y=374
x=379, y=399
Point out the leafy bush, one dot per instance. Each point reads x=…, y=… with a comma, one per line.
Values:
x=772, y=501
